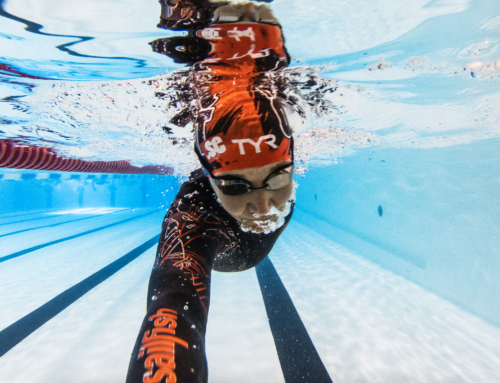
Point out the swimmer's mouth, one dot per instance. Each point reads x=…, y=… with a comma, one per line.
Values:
x=263, y=218
x=260, y=220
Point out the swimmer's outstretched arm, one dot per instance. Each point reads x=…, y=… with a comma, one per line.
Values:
x=171, y=343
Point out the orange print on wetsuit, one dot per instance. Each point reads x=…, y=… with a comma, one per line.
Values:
x=159, y=344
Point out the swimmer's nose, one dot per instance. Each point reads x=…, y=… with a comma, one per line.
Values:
x=260, y=202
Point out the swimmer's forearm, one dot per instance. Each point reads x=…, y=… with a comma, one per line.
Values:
x=171, y=342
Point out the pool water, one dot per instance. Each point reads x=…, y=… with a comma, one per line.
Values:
x=391, y=260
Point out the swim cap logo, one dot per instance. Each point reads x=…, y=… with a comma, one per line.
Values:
x=236, y=34
x=271, y=139
x=213, y=147
x=211, y=33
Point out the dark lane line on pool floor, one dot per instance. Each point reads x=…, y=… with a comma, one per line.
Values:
x=20, y=330
x=35, y=219
x=300, y=362
x=38, y=247
x=62, y=223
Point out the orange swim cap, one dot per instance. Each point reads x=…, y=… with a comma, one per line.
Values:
x=242, y=129
x=241, y=123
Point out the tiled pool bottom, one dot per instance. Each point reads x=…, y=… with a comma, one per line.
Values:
x=367, y=324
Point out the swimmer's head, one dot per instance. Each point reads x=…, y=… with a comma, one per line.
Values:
x=243, y=139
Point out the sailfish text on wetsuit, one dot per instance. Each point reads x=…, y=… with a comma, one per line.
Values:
x=159, y=344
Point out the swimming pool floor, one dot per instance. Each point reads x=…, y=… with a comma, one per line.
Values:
x=367, y=324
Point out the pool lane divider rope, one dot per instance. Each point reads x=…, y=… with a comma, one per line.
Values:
x=21, y=156
x=61, y=176
x=38, y=247
x=20, y=330
x=62, y=223
x=300, y=362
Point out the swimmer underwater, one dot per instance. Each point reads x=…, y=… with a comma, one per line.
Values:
x=229, y=214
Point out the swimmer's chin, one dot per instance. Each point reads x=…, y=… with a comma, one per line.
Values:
x=259, y=226
x=269, y=223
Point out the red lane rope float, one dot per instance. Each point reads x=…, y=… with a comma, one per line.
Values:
x=35, y=158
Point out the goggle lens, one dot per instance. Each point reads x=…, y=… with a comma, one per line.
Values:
x=234, y=189
x=279, y=181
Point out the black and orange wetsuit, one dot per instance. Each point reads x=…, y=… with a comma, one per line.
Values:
x=198, y=236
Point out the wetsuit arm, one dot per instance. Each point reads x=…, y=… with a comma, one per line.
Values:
x=171, y=343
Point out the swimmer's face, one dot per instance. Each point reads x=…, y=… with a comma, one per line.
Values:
x=253, y=209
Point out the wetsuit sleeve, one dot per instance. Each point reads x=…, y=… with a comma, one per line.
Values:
x=171, y=342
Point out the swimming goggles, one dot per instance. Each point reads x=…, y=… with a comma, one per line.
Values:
x=232, y=185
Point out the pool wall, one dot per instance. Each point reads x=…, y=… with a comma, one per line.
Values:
x=28, y=190
x=430, y=215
